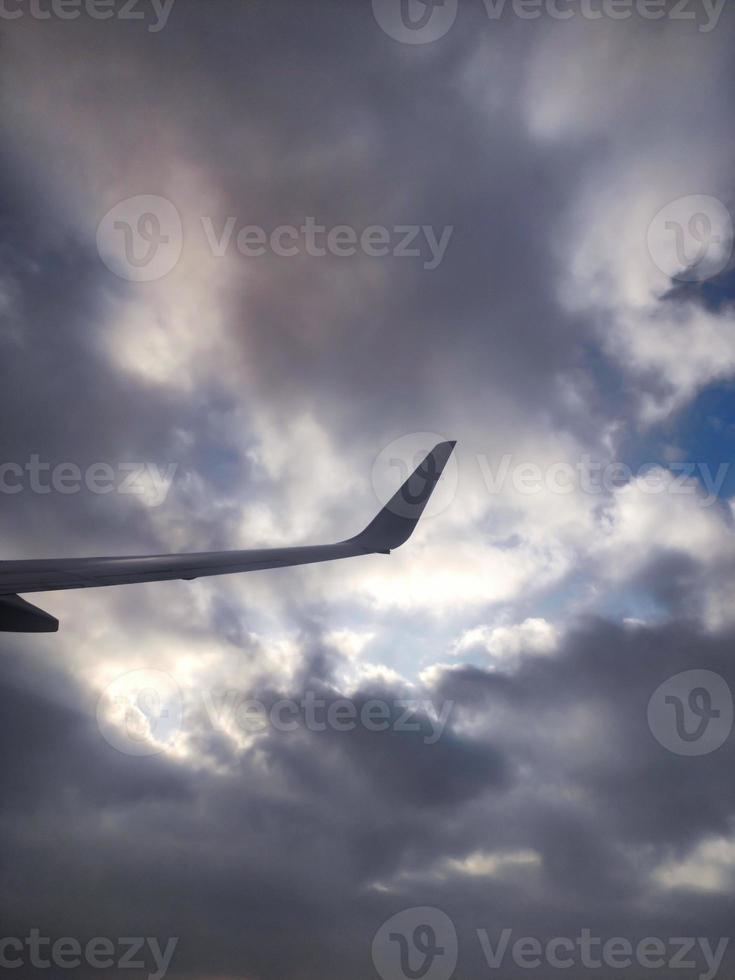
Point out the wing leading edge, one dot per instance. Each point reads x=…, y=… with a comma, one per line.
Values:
x=391, y=528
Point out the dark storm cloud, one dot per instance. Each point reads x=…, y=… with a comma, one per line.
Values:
x=289, y=837
x=255, y=105
x=613, y=671
x=287, y=847
x=394, y=352
x=51, y=751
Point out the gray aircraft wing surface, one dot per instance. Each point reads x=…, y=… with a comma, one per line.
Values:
x=391, y=528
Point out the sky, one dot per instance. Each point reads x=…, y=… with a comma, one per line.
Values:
x=255, y=258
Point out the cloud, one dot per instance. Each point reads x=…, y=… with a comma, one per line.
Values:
x=542, y=621
x=506, y=643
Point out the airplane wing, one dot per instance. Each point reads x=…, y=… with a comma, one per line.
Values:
x=390, y=529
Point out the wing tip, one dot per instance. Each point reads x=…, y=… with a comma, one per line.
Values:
x=396, y=522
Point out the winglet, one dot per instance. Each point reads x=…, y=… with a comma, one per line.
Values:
x=395, y=523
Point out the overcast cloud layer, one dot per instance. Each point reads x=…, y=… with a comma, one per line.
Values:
x=273, y=399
